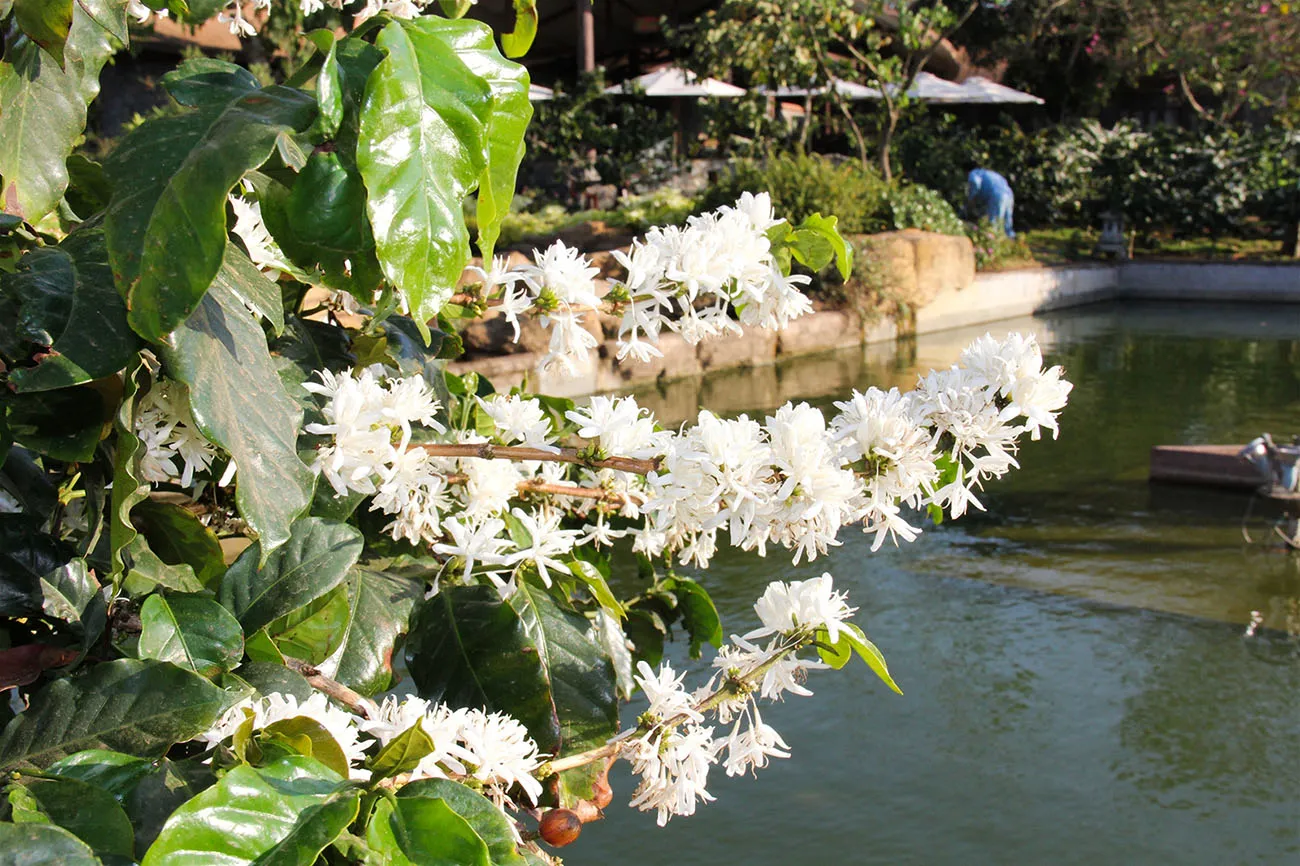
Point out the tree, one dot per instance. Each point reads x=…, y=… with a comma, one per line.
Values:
x=813, y=42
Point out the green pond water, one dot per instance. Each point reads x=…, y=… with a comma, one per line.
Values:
x=1079, y=687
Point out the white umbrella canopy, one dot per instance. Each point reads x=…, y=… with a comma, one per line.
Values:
x=931, y=88
x=538, y=93
x=672, y=81
x=979, y=89
x=847, y=89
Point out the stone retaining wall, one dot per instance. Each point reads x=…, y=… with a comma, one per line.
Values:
x=990, y=297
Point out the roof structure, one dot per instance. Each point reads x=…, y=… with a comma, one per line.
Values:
x=978, y=89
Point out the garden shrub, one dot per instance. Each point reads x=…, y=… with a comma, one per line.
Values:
x=912, y=206
x=805, y=184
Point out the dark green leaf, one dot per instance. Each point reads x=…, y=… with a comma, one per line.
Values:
x=191, y=632
x=517, y=42
x=284, y=813
x=44, y=106
x=136, y=707
x=489, y=822
x=239, y=403
x=152, y=801
x=87, y=812
x=402, y=754
x=90, y=337
x=166, y=224
x=148, y=571
x=312, y=632
x=26, y=556
x=421, y=151
x=261, y=649
x=177, y=537
x=698, y=613
x=115, y=772
x=424, y=831
x=65, y=424
x=40, y=844
x=267, y=678
x=315, y=559
x=381, y=606
x=88, y=190
x=527, y=657
x=205, y=81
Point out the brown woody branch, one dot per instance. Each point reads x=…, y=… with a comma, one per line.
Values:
x=488, y=451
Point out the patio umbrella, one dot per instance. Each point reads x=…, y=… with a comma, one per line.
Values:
x=979, y=89
x=538, y=93
x=931, y=88
x=847, y=89
x=671, y=81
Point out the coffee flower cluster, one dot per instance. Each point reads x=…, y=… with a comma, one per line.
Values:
x=684, y=279
x=672, y=747
x=792, y=480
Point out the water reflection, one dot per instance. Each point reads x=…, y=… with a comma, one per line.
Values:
x=1079, y=689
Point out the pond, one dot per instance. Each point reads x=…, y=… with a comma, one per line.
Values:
x=1079, y=686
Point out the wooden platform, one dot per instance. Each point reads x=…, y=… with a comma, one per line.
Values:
x=1212, y=465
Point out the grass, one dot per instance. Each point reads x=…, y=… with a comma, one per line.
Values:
x=1064, y=245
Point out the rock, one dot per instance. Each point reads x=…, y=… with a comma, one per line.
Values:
x=909, y=267
x=678, y=360
x=817, y=332
x=754, y=348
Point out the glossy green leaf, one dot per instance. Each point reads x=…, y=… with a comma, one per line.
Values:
x=329, y=83
x=91, y=814
x=489, y=822
x=381, y=606
x=70, y=593
x=160, y=793
x=315, y=559
x=506, y=124
x=46, y=22
x=238, y=402
x=261, y=649
x=423, y=831
x=284, y=813
x=33, y=844
x=43, y=106
x=178, y=537
x=129, y=488
x=869, y=653
x=136, y=707
x=148, y=571
x=421, y=150
x=455, y=8
x=312, y=632
x=241, y=277
x=114, y=772
x=206, y=80
x=517, y=42
x=191, y=632
x=527, y=656
x=827, y=228
x=595, y=582
x=166, y=225
x=309, y=738
x=65, y=424
x=92, y=339
x=402, y=754
x=88, y=190
x=698, y=613
x=267, y=678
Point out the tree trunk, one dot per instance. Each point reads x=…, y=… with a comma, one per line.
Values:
x=886, y=142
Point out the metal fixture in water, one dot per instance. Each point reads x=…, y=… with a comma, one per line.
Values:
x=1279, y=467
